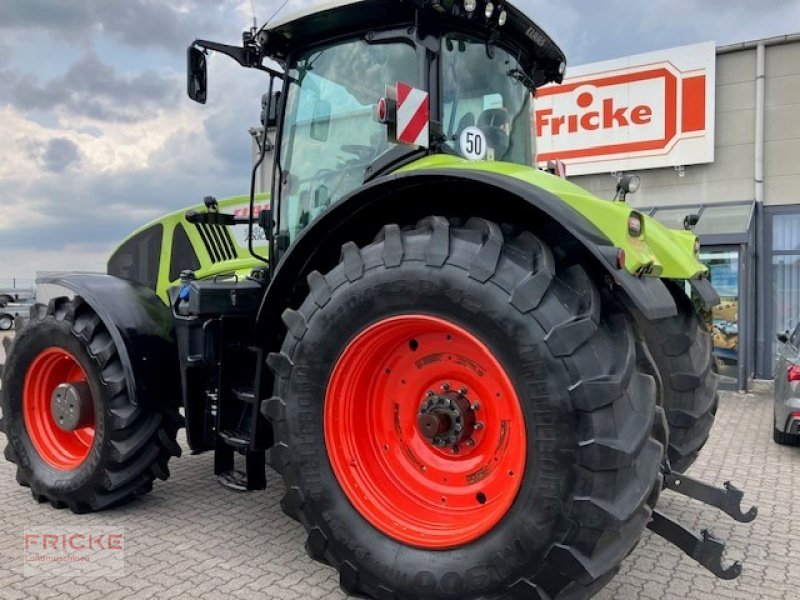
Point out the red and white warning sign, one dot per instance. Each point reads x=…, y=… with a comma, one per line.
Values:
x=640, y=112
x=413, y=116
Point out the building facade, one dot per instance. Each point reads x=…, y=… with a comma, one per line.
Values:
x=748, y=200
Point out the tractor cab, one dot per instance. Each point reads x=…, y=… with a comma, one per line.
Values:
x=368, y=89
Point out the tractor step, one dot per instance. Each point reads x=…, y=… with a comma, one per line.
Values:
x=246, y=396
x=254, y=476
x=704, y=548
x=240, y=440
x=727, y=498
x=234, y=479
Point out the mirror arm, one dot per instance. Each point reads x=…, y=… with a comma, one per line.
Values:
x=237, y=53
x=247, y=56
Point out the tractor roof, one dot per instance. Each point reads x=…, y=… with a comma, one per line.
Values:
x=327, y=21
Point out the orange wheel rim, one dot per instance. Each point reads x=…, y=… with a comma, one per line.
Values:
x=63, y=450
x=424, y=431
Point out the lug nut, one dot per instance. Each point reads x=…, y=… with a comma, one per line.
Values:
x=470, y=442
x=462, y=391
x=474, y=406
x=445, y=386
x=431, y=393
x=478, y=425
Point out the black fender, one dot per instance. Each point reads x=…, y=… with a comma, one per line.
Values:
x=404, y=198
x=141, y=326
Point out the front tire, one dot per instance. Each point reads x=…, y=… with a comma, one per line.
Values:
x=76, y=436
x=682, y=350
x=401, y=516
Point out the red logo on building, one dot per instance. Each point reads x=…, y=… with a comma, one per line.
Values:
x=613, y=114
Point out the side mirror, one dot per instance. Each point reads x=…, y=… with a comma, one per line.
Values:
x=783, y=337
x=321, y=121
x=196, y=74
x=269, y=109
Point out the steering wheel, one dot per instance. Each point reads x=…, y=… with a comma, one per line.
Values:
x=364, y=153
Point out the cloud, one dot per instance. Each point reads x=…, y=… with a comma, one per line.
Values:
x=55, y=155
x=68, y=257
x=92, y=89
x=594, y=31
x=98, y=137
x=163, y=23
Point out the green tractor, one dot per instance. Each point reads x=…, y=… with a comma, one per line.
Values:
x=474, y=377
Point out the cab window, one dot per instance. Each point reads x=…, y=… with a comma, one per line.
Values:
x=183, y=256
x=487, y=102
x=330, y=132
x=139, y=258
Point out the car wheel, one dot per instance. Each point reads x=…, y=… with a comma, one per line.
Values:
x=785, y=439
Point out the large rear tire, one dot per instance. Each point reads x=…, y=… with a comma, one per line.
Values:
x=556, y=486
x=74, y=433
x=682, y=350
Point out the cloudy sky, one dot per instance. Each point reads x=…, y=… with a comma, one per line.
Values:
x=97, y=136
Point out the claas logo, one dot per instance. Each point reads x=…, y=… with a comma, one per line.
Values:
x=244, y=210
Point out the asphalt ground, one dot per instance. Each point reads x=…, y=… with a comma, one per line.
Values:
x=191, y=538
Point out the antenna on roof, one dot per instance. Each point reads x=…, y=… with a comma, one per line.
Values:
x=275, y=14
x=280, y=8
x=253, y=10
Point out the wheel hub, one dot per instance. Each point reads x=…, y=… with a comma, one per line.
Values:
x=447, y=419
x=71, y=406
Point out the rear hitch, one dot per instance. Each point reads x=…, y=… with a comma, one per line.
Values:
x=727, y=498
x=704, y=548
